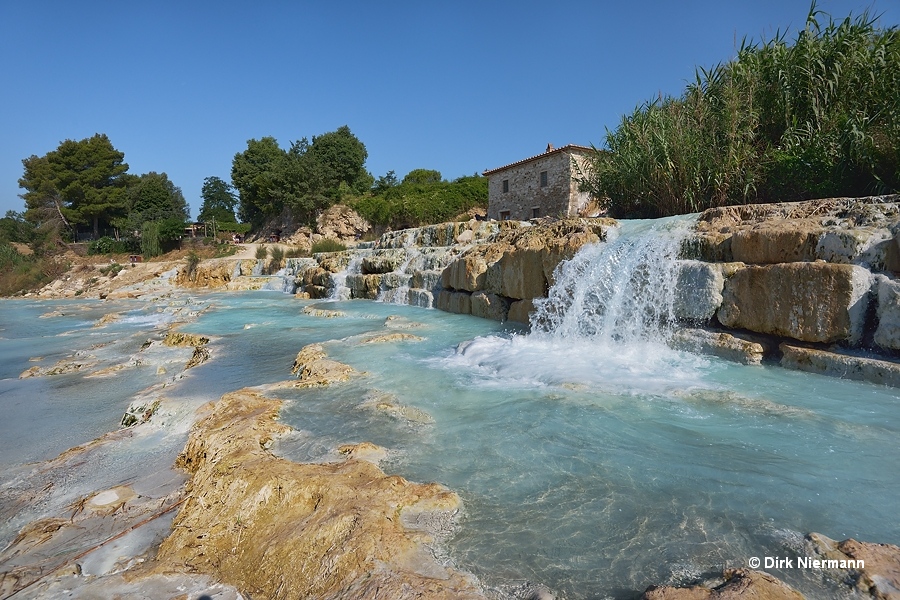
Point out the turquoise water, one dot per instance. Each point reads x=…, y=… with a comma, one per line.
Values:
x=594, y=470
x=43, y=416
x=593, y=466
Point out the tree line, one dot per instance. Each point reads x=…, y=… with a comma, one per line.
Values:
x=83, y=189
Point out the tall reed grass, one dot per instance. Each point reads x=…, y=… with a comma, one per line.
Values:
x=781, y=122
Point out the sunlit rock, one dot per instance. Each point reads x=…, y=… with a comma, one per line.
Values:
x=777, y=241
x=282, y=529
x=845, y=366
x=887, y=335
x=811, y=302
x=739, y=584
x=879, y=577
x=719, y=343
x=388, y=338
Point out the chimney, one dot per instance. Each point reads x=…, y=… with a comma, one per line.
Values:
x=549, y=148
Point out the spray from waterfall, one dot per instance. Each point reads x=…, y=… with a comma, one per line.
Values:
x=604, y=323
x=621, y=291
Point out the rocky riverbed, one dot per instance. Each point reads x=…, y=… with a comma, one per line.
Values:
x=810, y=286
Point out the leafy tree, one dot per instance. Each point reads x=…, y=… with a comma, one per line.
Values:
x=79, y=182
x=423, y=176
x=305, y=179
x=253, y=173
x=385, y=182
x=14, y=228
x=219, y=201
x=338, y=157
x=413, y=204
x=153, y=197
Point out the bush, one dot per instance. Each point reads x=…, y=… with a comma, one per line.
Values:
x=818, y=118
x=193, y=261
x=112, y=269
x=328, y=245
x=261, y=252
x=412, y=203
x=275, y=263
x=19, y=273
x=108, y=245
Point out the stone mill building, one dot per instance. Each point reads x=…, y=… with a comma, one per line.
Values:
x=545, y=185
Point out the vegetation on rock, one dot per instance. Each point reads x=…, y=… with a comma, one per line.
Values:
x=421, y=198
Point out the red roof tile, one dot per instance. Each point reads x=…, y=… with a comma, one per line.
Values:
x=566, y=148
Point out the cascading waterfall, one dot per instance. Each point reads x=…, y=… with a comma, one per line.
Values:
x=620, y=291
x=398, y=293
x=605, y=321
x=340, y=291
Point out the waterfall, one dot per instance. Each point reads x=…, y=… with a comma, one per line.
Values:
x=340, y=291
x=621, y=291
x=395, y=285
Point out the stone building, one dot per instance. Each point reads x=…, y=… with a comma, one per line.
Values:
x=540, y=186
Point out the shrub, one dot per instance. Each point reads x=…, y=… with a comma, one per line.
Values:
x=328, y=245
x=277, y=256
x=107, y=245
x=413, y=202
x=781, y=122
x=193, y=261
x=20, y=273
x=111, y=269
x=261, y=252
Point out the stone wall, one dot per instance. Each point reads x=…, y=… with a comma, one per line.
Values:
x=526, y=198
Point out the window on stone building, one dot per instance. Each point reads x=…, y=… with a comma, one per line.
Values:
x=504, y=215
x=505, y=185
x=543, y=178
x=535, y=212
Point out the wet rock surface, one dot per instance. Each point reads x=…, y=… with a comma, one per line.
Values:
x=287, y=530
x=739, y=583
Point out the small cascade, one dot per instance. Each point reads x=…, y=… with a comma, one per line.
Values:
x=619, y=292
x=395, y=286
x=340, y=290
x=258, y=267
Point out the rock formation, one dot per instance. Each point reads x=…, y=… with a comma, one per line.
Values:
x=739, y=583
x=278, y=529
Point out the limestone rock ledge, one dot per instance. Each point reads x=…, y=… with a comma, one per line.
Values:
x=278, y=529
x=838, y=364
x=879, y=578
x=739, y=583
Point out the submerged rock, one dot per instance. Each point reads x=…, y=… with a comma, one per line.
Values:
x=739, y=584
x=835, y=364
x=287, y=530
x=735, y=347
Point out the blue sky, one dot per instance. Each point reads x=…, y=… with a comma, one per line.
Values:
x=460, y=87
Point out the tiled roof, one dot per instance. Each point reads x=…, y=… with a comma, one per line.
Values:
x=566, y=148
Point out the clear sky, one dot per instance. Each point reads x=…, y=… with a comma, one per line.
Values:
x=455, y=86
